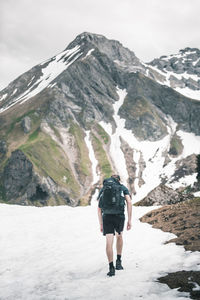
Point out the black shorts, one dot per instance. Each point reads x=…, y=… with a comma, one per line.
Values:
x=112, y=223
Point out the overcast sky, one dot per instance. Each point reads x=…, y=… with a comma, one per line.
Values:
x=33, y=30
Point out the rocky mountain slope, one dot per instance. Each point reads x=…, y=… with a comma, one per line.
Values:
x=91, y=110
x=180, y=71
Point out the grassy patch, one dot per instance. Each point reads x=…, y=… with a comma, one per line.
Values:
x=102, y=158
x=176, y=145
x=85, y=163
x=34, y=135
x=101, y=132
x=50, y=160
x=30, y=114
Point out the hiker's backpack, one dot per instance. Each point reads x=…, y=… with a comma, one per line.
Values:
x=111, y=199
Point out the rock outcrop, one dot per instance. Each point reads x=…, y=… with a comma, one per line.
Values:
x=163, y=195
x=26, y=124
x=185, y=62
x=182, y=219
x=22, y=185
x=184, y=281
x=185, y=167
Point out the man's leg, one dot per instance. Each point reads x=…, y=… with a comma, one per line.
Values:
x=119, y=243
x=109, y=246
x=119, y=246
x=109, y=252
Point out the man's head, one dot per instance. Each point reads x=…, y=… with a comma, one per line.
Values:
x=117, y=177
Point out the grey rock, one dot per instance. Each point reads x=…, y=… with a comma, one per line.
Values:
x=192, y=84
x=68, y=200
x=184, y=167
x=26, y=124
x=163, y=195
x=169, y=68
x=17, y=175
x=174, y=82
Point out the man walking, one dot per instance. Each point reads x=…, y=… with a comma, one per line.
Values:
x=112, y=198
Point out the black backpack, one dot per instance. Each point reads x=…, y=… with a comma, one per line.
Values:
x=111, y=199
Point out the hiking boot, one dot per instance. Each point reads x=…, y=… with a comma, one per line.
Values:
x=111, y=271
x=119, y=265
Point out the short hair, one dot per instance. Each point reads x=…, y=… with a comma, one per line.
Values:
x=116, y=177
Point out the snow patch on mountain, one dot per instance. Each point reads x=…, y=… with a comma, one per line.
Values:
x=14, y=92
x=189, y=93
x=183, y=181
x=89, y=52
x=92, y=157
x=115, y=146
x=197, y=194
x=3, y=97
x=191, y=143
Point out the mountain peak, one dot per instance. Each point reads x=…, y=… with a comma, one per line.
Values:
x=114, y=50
x=90, y=38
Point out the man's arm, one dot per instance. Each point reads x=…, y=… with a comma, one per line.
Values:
x=129, y=210
x=100, y=219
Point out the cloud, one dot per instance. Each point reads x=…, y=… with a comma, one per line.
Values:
x=32, y=31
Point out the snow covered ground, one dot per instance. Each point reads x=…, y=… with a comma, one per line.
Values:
x=59, y=253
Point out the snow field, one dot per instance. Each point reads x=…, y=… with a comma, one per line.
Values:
x=59, y=253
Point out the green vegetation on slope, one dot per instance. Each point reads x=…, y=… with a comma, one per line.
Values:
x=85, y=163
x=176, y=145
x=50, y=160
x=101, y=132
x=35, y=119
x=101, y=156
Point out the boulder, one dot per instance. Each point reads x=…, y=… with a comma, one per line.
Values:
x=163, y=195
x=26, y=124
